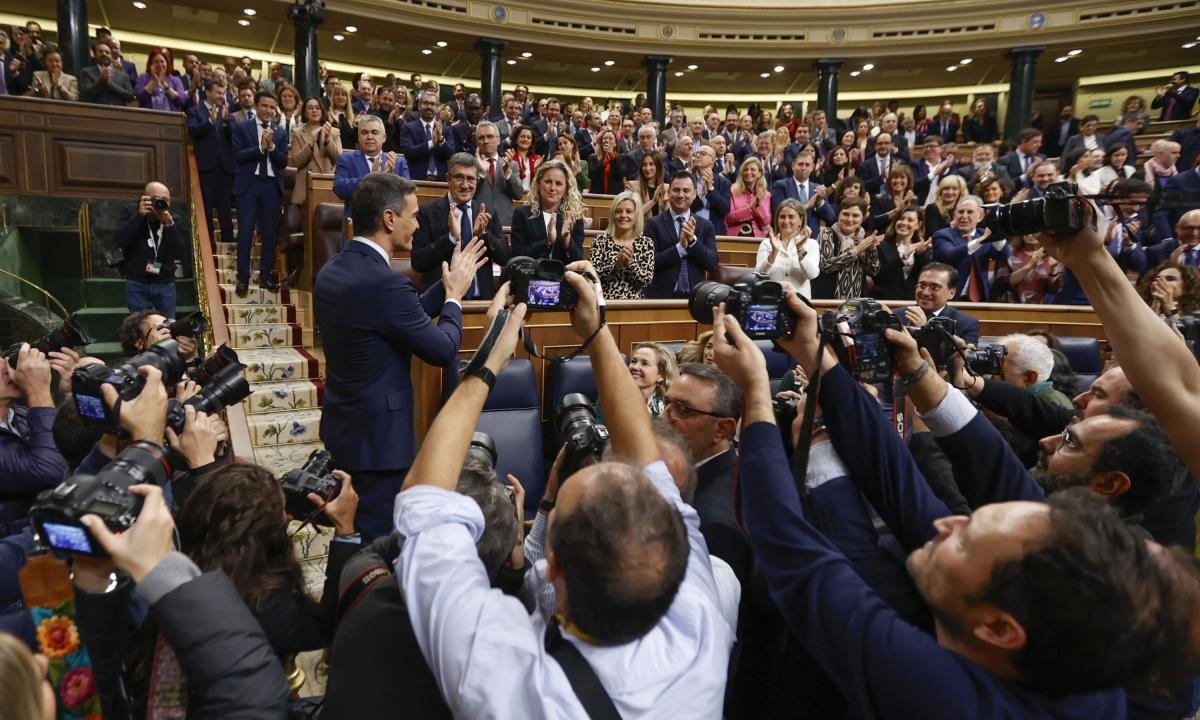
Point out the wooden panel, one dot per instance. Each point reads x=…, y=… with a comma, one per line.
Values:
x=82, y=165
x=319, y=189
x=8, y=161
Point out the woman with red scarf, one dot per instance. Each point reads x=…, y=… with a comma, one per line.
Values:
x=605, y=167
x=526, y=162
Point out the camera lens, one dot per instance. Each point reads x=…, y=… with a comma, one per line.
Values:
x=159, y=204
x=163, y=355
x=484, y=448
x=705, y=298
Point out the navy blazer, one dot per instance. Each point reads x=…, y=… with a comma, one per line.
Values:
x=868, y=172
x=433, y=245
x=351, y=168
x=948, y=135
x=924, y=179
x=701, y=256
x=890, y=283
x=529, y=237
x=247, y=151
x=211, y=141
x=1184, y=100
x=1189, y=147
x=417, y=151
x=718, y=200
x=1011, y=162
x=1158, y=254
x=372, y=322
x=1166, y=217
x=786, y=188
x=950, y=248
x=967, y=327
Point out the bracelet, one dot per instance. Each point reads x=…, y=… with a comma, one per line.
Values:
x=545, y=505
x=915, y=375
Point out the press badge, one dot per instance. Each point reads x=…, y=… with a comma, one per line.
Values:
x=154, y=268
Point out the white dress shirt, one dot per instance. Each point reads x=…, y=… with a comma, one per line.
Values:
x=488, y=654
x=262, y=128
x=796, y=263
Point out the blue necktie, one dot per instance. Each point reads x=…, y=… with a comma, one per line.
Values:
x=432, y=169
x=1192, y=260
x=682, y=286
x=464, y=234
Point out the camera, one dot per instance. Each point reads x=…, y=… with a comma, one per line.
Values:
x=583, y=439
x=987, y=360
x=213, y=364
x=1057, y=212
x=314, y=476
x=72, y=333
x=159, y=204
x=760, y=305
x=191, y=325
x=87, y=381
x=483, y=448
x=1189, y=327
x=938, y=338
x=855, y=330
x=222, y=390
x=785, y=409
x=56, y=513
x=540, y=284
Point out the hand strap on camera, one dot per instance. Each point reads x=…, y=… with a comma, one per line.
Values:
x=531, y=348
x=804, y=443
x=489, y=341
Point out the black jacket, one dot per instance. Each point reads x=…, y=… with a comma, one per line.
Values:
x=133, y=236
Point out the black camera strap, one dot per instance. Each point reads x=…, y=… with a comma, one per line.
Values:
x=489, y=341
x=591, y=693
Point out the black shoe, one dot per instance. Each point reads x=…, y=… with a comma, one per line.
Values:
x=243, y=288
x=268, y=284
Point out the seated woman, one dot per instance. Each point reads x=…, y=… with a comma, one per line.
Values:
x=940, y=212
x=848, y=255
x=651, y=185
x=699, y=350
x=789, y=253
x=604, y=167
x=653, y=368
x=750, y=201
x=1171, y=290
x=551, y=224
x=904, y=252
x=623, y=255
x=568, y=152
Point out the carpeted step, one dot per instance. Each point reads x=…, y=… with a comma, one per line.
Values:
x=230, y=249
x=285, y=428
x=228, y=276
x=279, y=364
x=259, y=314
x=281, y=458
x=255, y=295
x=268, y=336
x=284, y=396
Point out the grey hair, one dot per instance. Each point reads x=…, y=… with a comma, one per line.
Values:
x=664, y=434
x=479, y=482
x=483, y=125
x=1027, y=354
x=972, y=198
x=461, y=159
x=728, y=400
x=368, y=118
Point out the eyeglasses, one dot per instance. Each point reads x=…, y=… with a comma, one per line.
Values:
x=682, y=410
x=467, y=179
x=932, y=287
x=1070, y=440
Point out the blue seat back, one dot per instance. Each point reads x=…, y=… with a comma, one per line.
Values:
x=512, y=417
x=1083, y=353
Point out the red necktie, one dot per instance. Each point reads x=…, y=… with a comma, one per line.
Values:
x=974, y=287
x=492, y=170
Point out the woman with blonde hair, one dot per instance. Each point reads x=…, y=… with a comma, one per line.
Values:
x=553, y=225
x=341, y=115
x=623, y=255
x=940, y=212
x=25, y=694
x=749, y=203
x=653, y=368
x=699, y=350
x=789, y=252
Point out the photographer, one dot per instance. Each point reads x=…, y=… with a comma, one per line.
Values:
x=152, y=246
x=29, y=460
x=637, y=606
x=1004, y=584
x=143, y=328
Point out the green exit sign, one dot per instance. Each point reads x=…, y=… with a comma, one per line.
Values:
x=1099, y=103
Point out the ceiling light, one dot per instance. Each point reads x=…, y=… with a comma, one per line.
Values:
x=1064, y=58
x=595, y=69
x=1073, y=53
x=1189, y=45
x=966, y=61
x=693, y=67
x=855, y=73
x=678, y=73
x=609, y=63
x=511, y=61
x=140, y=5
x=250, y=11
x=766, y=75
x=778, y=68
x=526, y=54
x=244, y=22
x=351, y=28
x=869, y=66
x=426, y=51
x=442, y=43
x=339, y=37
x=951, y=68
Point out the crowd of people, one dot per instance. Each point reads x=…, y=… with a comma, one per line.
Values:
x=1023, y=544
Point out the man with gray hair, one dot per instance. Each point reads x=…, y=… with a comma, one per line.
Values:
x=498, y=187
x=370, y=157
x=647, y=144
x=1028, y=365
x=967, y=248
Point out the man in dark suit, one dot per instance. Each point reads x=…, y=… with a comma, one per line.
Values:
x=647, y=141
x=890, y=124
x=1123, y=136
x=547, y=128
x=937, y=285
x=453, y=222
x=372, y=321
x=874, y=170
x=984, y=163
x=932, y=168
x=1015, y=163
x=211, y=131
x=260, y=149
x=1189, y=146
x=1174, y=190
x=800, y=187
x=370, y=157
x=1184, y=249
x=464, y=127
x=1176, y=99
x=1060, y=132
x=966, y=248
x=712, y=188
x=1088, y=139
x=944, y=125
x=425, y=143
x=685, y=246
x=103, y=83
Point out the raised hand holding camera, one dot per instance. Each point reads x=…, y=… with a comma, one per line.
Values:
x=147, y=541
x=32, y=376
x=341, y=509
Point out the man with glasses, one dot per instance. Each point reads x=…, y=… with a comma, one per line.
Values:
x=1184, y=249
x=936, y=286
x=370, y=157
x=454, y=221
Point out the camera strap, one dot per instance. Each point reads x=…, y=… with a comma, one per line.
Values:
x=588, y=688
x=531, y=348
x=489, y=341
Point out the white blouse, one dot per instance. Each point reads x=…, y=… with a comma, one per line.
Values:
x=797, y=265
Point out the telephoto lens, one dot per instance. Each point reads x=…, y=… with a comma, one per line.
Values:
x=224, y=389
x=583, y=438
x=72, y=333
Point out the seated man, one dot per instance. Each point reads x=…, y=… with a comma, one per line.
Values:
x=152, y=245
x=1028, y=364
x=800, y=186
x=352, y=167
x=936, y=286
x=637, y=611
x=965, y=247
x=685, y=246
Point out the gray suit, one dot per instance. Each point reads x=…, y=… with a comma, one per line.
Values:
x=499, y=197
x=117, y=91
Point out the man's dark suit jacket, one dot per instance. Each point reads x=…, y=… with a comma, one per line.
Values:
x=949, y=134
x=1185, y=184
x=967, y=328
x=211, y=141
x=714, y=503
x=868, y=172
x=1158, y=254
x=1011, y=162
x=247, y=151
x=372, y=321
x=416, y=149
x=1184, y=100
x=701, y=257
x=1050, y=141
x=529, y=237
x=1189, y=146
x=118, y=91
x=949, y=247
x=632, y=163
x=786, y=188
x=432, y=244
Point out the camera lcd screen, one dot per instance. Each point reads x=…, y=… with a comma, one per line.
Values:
x=90, y=406
x=544, y=293
x=761, y=318
x=67, y=537
x=868, y=346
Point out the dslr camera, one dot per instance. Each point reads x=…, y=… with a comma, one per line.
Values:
x=72, y=333
x=938, y=338
x=583, y=438
x=87, y=381
x=56, y=513
x=1189, y=326
x=213, y=364
x=221, y=390
x=987, y=360
x=191, y=325
x=1059, y=212
x=541, y=284
x=314, y=476
x=855, y=330
x=159, y=204
x=760, y=305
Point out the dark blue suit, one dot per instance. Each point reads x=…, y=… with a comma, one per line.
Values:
x=1166, y=217
x=701, y=255
x=923, y=179
x=786, y=188
x=415, y=146
x=716, y=201
x=868, y=172
x=212, y=143
x=433, y=244
x=1189, y=147
x=949, y=247
x=351, y=168
x=372, y=322
x=1012, y=163
x=529, y=237
x=967, y=327
x=1158, y=254
x=258, y=195
x=1181, y=108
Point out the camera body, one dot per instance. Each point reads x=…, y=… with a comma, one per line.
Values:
x=1189, y=327
x=314, y=476
x=191, y=325
x=87, y=381
x=72, y=333
x=1057, y=212
x=855, y=330
x=583, y=438
x=56, y=513
x=222, y=390
x=938, y=338
x=541, y=284
x=760, y=306
x=213, y=364
x=987, y=360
